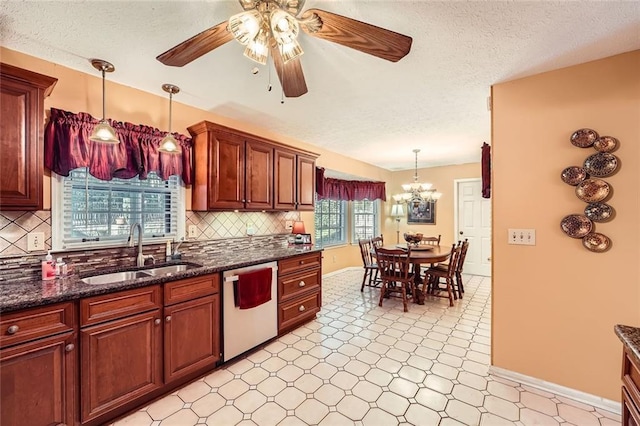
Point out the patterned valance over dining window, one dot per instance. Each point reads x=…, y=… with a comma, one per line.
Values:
x=67, y=147
x=348, y=190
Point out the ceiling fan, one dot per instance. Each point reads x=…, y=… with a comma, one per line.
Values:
x=272, y=26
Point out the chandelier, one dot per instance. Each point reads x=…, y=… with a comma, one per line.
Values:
x=417, y=192
x=266, y=26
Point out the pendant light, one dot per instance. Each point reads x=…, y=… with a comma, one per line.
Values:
x=103, y=132
x=169, y=144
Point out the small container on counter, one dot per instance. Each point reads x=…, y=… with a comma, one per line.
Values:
x=48, y=267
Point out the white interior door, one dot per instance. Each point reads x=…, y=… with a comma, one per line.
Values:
x=474, y=224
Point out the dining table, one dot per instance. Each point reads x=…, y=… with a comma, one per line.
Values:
x=420, y=255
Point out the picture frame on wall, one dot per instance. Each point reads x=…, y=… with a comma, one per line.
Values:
x=423, y=211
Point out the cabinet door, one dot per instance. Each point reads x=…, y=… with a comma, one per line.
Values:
x=306, y=183
x=226, y=187
x=22, y=96
x=121, y=361
x=259, y=176
x=191, y=336
x=38, y=382
x=285, y=180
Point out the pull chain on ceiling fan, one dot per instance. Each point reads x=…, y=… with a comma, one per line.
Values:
x=271, y=27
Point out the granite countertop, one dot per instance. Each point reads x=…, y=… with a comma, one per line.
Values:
x=20, y=294
x=630, y=336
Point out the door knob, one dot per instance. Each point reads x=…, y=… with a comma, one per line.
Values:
x=461, y=232
x=489, y=259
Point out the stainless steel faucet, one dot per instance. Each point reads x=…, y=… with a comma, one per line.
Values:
x=141, y=257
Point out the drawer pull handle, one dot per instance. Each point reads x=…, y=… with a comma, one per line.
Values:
x=69, y=347
x=13, y=329
x=302, y=262
x=301, y=308
x=301, y=284
x=157, y=321
x=168, y=318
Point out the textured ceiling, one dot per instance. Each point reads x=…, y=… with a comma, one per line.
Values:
x=434, y=99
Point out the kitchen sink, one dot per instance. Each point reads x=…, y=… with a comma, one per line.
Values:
x=157, y=271
x=116, y=277
x=170, y=269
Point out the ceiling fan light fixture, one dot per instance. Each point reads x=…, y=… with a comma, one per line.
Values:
x=258, y=49
x=290, y=51
x=245, y=26
x=284, y=27
x=103, y=132
x=169, y=144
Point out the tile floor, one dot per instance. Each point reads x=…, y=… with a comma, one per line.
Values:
x=360, y=364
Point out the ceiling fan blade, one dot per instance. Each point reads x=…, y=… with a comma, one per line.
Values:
x=290, y=74
x=196, y=46
x=367, y=38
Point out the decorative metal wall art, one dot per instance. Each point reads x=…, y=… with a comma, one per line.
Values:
x=591, y=189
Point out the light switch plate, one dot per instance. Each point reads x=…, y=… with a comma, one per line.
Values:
x=193, y=231
x=522, y=236
x=288, y=225
x=35, y=241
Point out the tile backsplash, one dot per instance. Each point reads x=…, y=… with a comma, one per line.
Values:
x=15, y=225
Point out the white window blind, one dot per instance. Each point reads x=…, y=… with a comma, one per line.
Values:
x=330, y=222
x=92, y=212
x=365, y=219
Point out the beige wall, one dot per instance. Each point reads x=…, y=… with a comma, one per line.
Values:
x=442, y=179
x=555, y=304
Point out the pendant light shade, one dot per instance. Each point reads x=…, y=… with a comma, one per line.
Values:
x=103, y=132
x=169, y=144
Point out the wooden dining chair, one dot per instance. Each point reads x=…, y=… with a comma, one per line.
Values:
x=378, y=241
x=435, y=274
x=432, y=241
x=370, y=276
x=460, y=266
x=395, y=272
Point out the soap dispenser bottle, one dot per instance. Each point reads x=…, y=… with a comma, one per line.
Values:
x=48, y=268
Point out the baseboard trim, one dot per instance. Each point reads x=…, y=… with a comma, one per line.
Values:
x=586, y=398
x=348, y=268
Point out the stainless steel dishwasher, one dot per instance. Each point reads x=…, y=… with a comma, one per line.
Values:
x=244, y=329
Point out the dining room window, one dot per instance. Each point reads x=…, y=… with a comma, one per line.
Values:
x=365, y=219
x=330, y=223
x=90, y=212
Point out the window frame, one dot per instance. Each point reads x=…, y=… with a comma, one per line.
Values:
x=344, y=229
x=57, y=221
x=375, y=214
x=349, y=223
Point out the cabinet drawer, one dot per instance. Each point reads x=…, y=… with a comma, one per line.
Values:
x=22, y=326
x=304, y=261
x=630, y=413
x=292, y=285
x=631, y=377
x=98, y=309
x=191, y=288
x=298, y=311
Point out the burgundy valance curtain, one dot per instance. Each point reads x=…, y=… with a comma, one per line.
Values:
x=67, y=147
x=349, y=190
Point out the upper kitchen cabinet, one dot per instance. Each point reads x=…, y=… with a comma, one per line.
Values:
x=235, y=170
x=295, y=182
x=22, y=94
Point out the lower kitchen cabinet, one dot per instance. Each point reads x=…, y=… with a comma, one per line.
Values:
x=121, y=358
x=299, y=290
x=38, y=366
x=191, y=336
x=38, y=382
x=121, y=361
